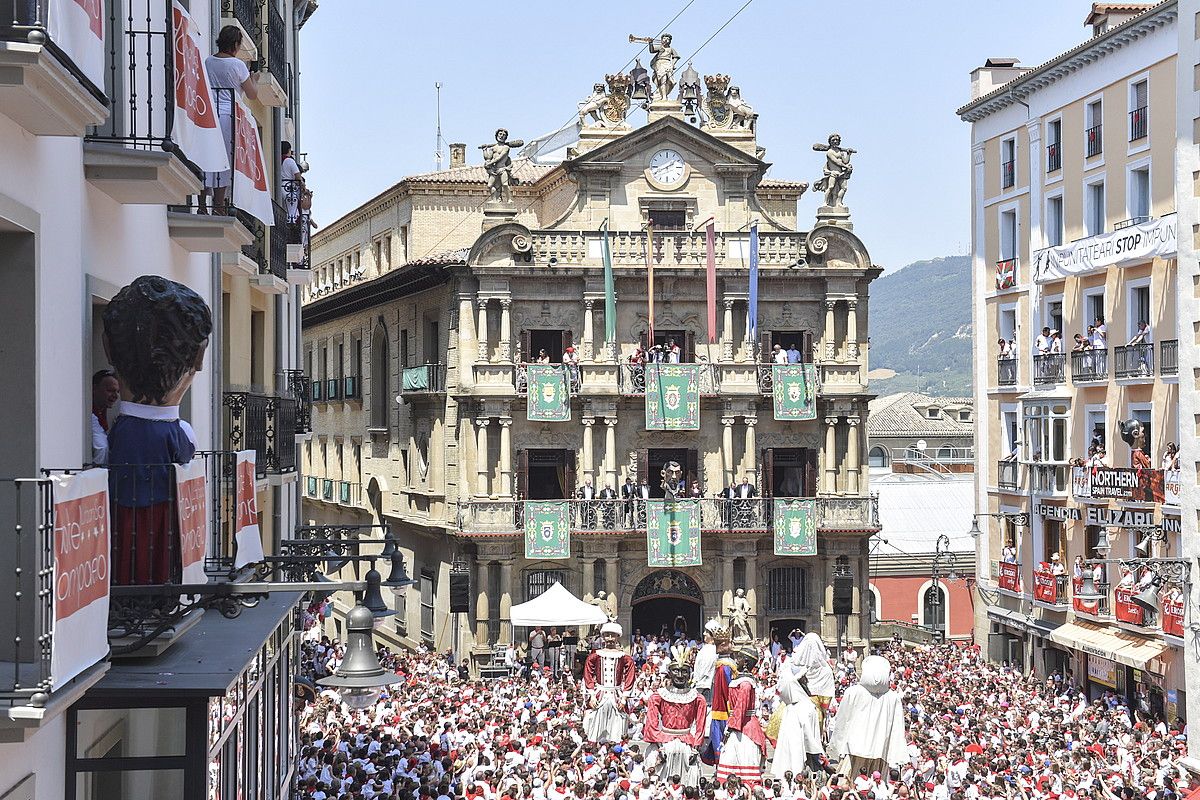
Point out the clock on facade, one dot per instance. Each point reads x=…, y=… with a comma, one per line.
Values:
x=667, y=168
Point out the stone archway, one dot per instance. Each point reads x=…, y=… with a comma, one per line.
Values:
x=664, y=597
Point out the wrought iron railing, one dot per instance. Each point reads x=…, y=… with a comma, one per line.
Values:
x=632, y=379
x=297, y=228
x=277, y=255
x=25, y=21
x=1049, y=368
x=1089, y=365
x=1008, y=174
x=521, y=378
x=1008, y=475
x=1053, y=157
x=27, y=520
x=1139, y=120
x=1049, y=478
x=750, y=515
x=277, y=45
x=244, y=11
x=1168, y=357
x=1093, y=140
x=425, y=378
x=1006, y=371
x=1129, y=223
x=1134, y=360
x=265, y=424
x=1096, y=607
x=299, y=386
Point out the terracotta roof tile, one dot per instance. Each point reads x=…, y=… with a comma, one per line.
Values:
x=897, y=415
x=524, y=170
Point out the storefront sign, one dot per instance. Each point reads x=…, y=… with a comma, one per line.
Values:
x=1125, y=610
x=1010, y=576
x=1172, y=486
x=1119, y=518
x=1062, y=513
x=1137, y=485
x=1085, y=606
x=1153, y=239
x=1172, y=615
x=1171, y=525
x=1102, y=671
x=1045, y=584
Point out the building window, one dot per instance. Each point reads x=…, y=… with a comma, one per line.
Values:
x=933, y=605
x=787, y=589
x=427, y=593
x=600, y=576
x=539, y=580
x=1008, y=163
x=964, y=416
x=1139, y=113
x=1093, y=211
x=1093, y=132
x=1054, y=145
x=1139, y=195
x=1054, y=221
x=668, y=219
x=1046, y=432
x=380, y=363
x=1094, y=304
x=1008, y=235
x=1052, y=540
x=932, y=413
x=404, y=348
x=1144, y=415
x=739, y=572
x=1139, y=307
x=878, y=457
x=403, y=244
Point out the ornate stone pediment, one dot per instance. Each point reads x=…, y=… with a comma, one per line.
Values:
x=503, y=244
x=836, y=248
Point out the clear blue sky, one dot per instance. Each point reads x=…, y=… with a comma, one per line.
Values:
x=886, y=75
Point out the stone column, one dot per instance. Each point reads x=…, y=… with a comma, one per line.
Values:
x=727, y=333
x=727, y=449
x=852, y=329
x=853, y=463
x=612, y=581
x=481, y=454
x=588, y=450
x=831, y=462
x=727, y=587
x=481, y=329
x=588, y=345
x=466, y=360
x=506, y=349
x=610, y=451
x=830, y=327
x=752, y=592
x=506, y=633
x=506, y=483
x=751, y=452
x=481, y=602
x=589, y=576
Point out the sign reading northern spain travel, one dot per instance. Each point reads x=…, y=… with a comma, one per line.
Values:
x=673, y=397
x=549, y=393
x=673, y=533
x=795, y=391
x=795, y=526
x=547, y=529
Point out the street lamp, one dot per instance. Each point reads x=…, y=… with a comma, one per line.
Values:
x=360, y=676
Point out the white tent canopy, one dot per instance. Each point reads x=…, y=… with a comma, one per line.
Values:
x=556, y=606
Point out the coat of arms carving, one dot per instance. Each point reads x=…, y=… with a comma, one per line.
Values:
x=608, y=104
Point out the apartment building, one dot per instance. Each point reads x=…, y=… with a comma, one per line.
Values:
x=431, y=306
x=99, y=183
x=1074, y=237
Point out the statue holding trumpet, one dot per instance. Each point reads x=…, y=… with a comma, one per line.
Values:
x=662, y=63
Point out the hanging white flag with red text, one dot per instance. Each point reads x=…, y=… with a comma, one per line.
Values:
x=191, y=493
x=250, y=191
x=246, y=531
x=195, y=127
x=77, y=26
x=81, y=574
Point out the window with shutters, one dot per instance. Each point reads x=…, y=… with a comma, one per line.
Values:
x=1139, y=111
x=787, y=589
x=539, y=580
x=427, y=593
x=380, y=369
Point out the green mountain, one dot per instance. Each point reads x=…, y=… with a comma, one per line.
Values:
x=921, y=328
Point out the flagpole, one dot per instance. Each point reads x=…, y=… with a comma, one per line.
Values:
x=711, y=283
x=650, y=284
x=752, y=323
x=610, y=294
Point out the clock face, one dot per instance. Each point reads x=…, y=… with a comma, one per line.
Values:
x=667, y=167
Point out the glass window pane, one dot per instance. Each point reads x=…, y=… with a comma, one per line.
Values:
x=131, y=732
x=132, y=783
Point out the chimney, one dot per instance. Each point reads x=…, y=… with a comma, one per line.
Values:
x=1105, y=16
x=995, y=72
x=458, y=155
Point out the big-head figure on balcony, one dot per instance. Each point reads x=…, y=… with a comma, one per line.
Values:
x=1133, y=433
x=155, y=334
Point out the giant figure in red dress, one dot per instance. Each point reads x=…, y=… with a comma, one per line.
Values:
x=745, y=745
x=608, y=674
x=674, y=726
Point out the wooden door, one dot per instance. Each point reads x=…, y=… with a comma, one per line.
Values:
x=764, y=347
x=809, y=454
x=693, y=466
x=806, y=347
x=526, y=355
x=522, y=475
x=568, y=339
x=689, y=350
x=643, y=466
x=569, y=471
x=766, y=472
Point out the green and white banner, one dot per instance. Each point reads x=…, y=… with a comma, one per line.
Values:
x=549, y=393
x=673, y=397
x=673, y=533
x=795, y=526
x=795, y=391
x=547, y=529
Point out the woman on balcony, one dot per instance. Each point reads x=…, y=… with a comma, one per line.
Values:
x=229, y=76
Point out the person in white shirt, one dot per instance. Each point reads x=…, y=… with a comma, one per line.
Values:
x=290, y=180
x=1041, y=345
x=106, y=391
x=1055, y=342
x=228, y=76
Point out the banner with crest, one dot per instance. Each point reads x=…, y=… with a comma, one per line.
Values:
x=673, y=533
x=549, y=393
x=795, y=526
x=673, y=397
x=547, y=529
x=795, y=391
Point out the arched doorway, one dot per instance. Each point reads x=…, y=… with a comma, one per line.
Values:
x=661, y=597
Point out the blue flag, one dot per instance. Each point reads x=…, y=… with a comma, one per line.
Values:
x=754, y=282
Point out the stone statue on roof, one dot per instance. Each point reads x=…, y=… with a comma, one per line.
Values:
x=662, y=63
x=497, y=160
x=837, y=171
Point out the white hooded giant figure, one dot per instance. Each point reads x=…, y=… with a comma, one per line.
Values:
x=868, y=728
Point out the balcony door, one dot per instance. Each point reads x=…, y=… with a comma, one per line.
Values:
x=652, y=461
x=801, y=340
x=554, y=341
x=789, y=472
x=685, y=339
x=545, y=474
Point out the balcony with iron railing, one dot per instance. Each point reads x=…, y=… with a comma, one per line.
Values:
x=300, y=387
x=299, y=246
x=1050, y=478
x=1006, y=370
x=1139, y=123
x=1008, y=174
x=1049, y=368
x=424, y=379
x=631, y=379
x=1134, y=361
x=628, y=517
x=1093, y=141
x=946, y=460
x=266, y=424
x=1132, y=221
x=247, y=14
x=574, y=376
x=1008, y=476
x=1168, y=357
x=1053, y=157
x=271, y=79
x=783, y=249
x=1089, y=366
x=43, y=89
x=1096, y=608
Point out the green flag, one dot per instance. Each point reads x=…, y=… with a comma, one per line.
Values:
x=547, y=529
x=549, y=389
x=673, y=533
x=795, y=526
x=610, y=290
x=673, y=397
x=795, y=391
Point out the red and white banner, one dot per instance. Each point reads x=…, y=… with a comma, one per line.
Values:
x=195, y=129
x=1172, y=615
x=191, y=491
x=77, y=26
x=1125, y=609
x=1083, y=606
x=81, y=573
x=246, y=533
x=1009, y=578
x=250, y=191
x=1045, y=584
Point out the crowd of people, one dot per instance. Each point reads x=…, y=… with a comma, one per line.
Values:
x=973, y=729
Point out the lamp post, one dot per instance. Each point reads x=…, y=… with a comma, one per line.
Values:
x=942, y=558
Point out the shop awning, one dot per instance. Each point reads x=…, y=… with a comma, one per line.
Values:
x=1124, y=648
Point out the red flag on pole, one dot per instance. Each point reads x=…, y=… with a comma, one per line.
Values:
x=711, y=247
x=650, y=282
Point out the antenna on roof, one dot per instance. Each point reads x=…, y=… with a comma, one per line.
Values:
x=437, y=151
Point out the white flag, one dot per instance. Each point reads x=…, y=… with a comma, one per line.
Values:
x=250, y=191
x=191, y=493
x=246, y=531
x=77, y=26
x=195, y=128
